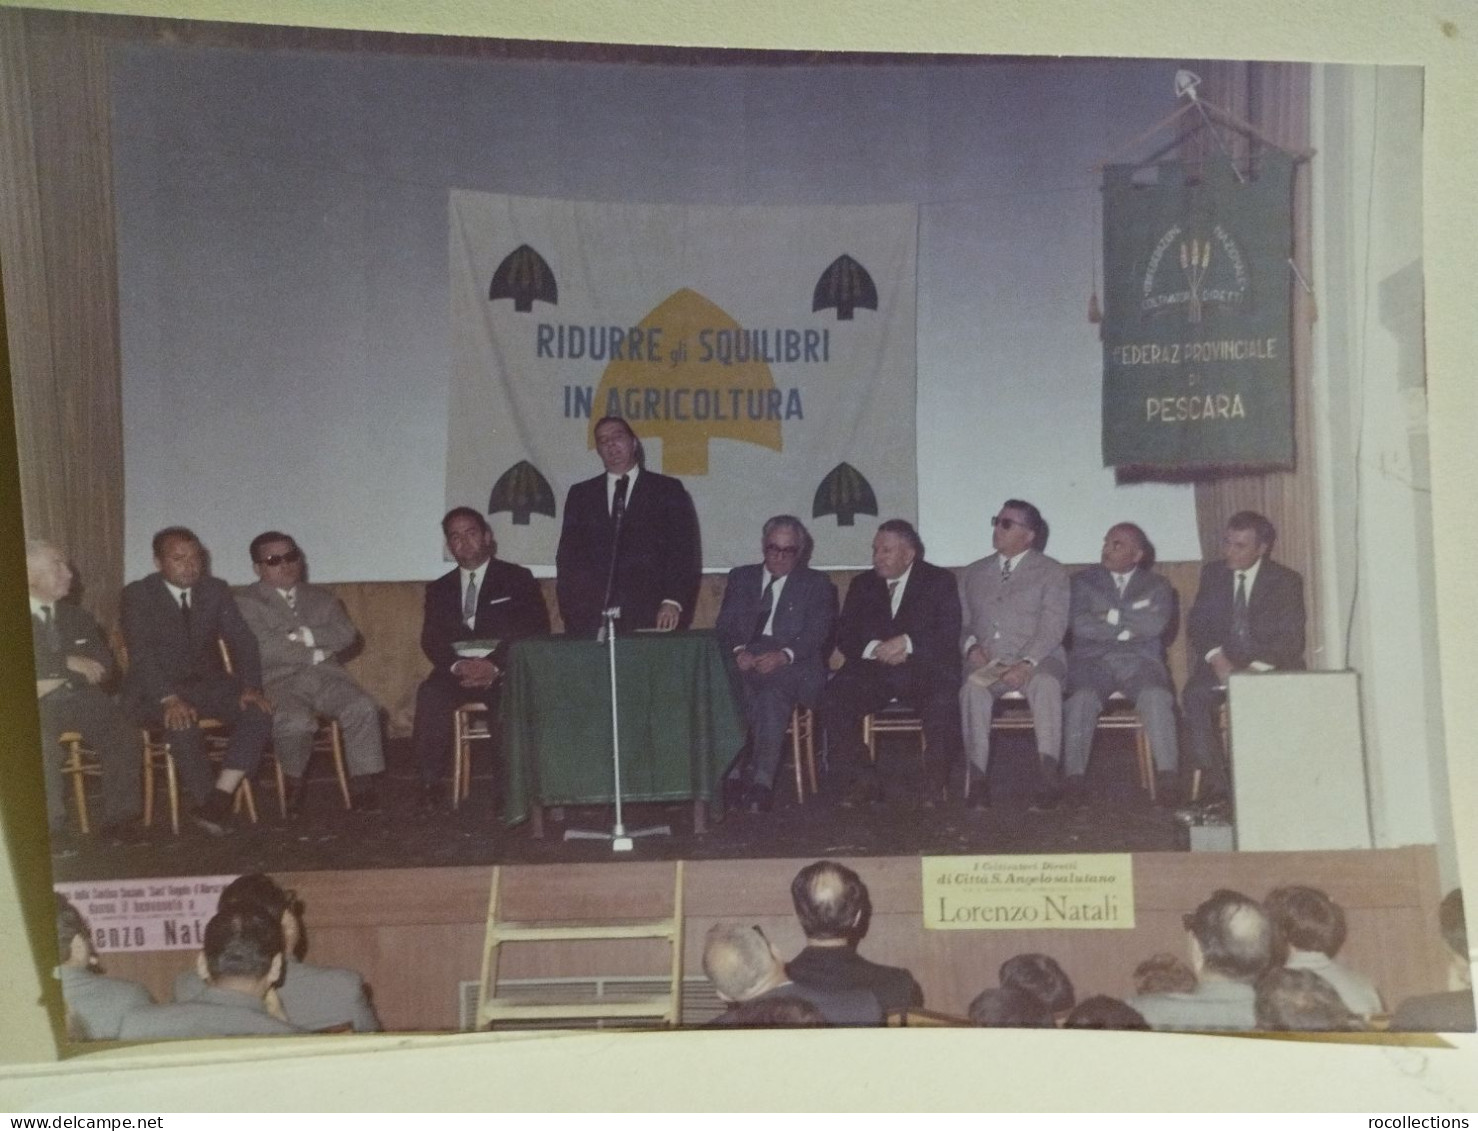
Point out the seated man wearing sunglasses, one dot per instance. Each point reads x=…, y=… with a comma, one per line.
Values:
x=301, y=629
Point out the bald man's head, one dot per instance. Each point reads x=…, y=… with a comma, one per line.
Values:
x=1234, y=935
x=829, y=900
x=740, y=962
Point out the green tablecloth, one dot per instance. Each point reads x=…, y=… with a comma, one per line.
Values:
x=679, y=726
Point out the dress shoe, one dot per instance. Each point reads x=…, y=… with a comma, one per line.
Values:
x=979, y=795
x=759, y=799
x=1075, y=792
x=735, y=792
x=213, y=816
x=1208, y=811
x=63, y=845
x=1167, y=791
x=864, y=790
x=364, y=798
x=430, y=797
x=1045, y=800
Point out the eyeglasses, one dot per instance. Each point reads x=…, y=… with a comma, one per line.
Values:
x=278, y=559
x=1006, y=523
x=782, y=551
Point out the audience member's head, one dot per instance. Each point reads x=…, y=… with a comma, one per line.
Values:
x=1010, y=1008
x=1231, y=937
x=1291, y=1000
x=1042, y=978
x=1306, y=919
x=259, y=890
x=1102, y=1012
x=1163, y=974
x=73, y=937
x=779, y=1012
x=740, y=962
x=243, y=950
x=830, y=901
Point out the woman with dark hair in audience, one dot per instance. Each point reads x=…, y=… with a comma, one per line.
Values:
x=1010, y=1008
x=1163, y=974
x=1039, y=976
x=1312, y=927
x=1299, y=1001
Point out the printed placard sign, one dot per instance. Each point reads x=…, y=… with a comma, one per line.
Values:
x=1005, y=893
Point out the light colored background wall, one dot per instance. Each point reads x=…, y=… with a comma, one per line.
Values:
x=283, y=269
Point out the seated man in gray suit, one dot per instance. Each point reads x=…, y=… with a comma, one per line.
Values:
x=744, y=967
x=1120, y=611
x=241, y=961
x=301, y=628
x=776, y=623
x=1231, y=942
x=1015, y=606
x=96, y=1006
x=315, y=998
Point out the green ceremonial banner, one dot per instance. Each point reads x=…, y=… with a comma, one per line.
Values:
x=1196, y=362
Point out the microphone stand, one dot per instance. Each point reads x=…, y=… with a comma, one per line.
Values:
x=621, y=839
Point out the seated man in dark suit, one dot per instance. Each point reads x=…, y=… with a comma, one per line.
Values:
x=832, y=906
x=776, y=622
x=96, y=1006
x=1121, y=609
x=1451, y=1011
x=658, y=563
x=1248, y=616
x=315, y=998
x=72, y=662
x=240, y=961
x=899, y=632
x=482, y=599
x=173, y=621
x=743, y=966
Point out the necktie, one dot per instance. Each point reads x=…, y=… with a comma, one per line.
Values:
x=1121, y=581
x=1241, y=628
x=469, y=602
x=1006, y=570
x=185, y=609
x=893, y=597
x=767, y=606
x=292, y=599
x=48, y=625
x=618, y=500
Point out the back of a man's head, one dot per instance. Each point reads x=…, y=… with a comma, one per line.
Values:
x=1040, y=976
x=739, y=961
x=69, y=927
x=1300, y=1001
x=777, y=1013
x=1234, y=935
x=1102, y=1012
x=241, y=943
x=829, y=900
x=1307, y=919
x=1009, y=1007
x=254, y=889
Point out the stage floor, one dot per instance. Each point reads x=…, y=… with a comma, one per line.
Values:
x=325, y=837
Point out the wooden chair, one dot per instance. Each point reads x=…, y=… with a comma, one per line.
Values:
x=328, y=739
x=1014, y=713
x=493, y=1007
x=81, y=763
x=471, y=723
x=802, y=734
x=895, y=718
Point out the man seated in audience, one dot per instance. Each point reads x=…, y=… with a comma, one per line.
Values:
x=899, y=633
x=1231, y=945
x=1006, y=1007
x=72, y=663
x=1163, y=974
x=483, y=600
x=1248, y=617
x=1040, y=976
x=1120, y=611
x=1101, y=1012
x=315, y=998
x=1015, y=606
x=240, y=962
x=776, y=623
x=831, y=903
x=1300, y=1001
x=744, y=967
x=301, y=628
x=173, y=623
x=1313, y=928
x=96, y=1005
x=1450, y=1012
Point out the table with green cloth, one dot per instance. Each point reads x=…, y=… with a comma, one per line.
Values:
x=680, y=728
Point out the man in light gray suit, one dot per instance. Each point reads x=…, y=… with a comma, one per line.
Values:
x=776, y=622
x=1120, y=611
x=96, y=1005
x=1015, y=606
x=300, y=629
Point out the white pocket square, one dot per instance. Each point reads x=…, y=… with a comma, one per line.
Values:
x=1144, y=604
x=499, y=600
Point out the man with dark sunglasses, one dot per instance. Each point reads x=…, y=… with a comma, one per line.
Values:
x=776, y=623
x=301, y=629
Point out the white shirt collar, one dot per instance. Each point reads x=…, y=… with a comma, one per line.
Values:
x=1251, y=572
x=37, y=605
x=175, y=591
x=1016, y=561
